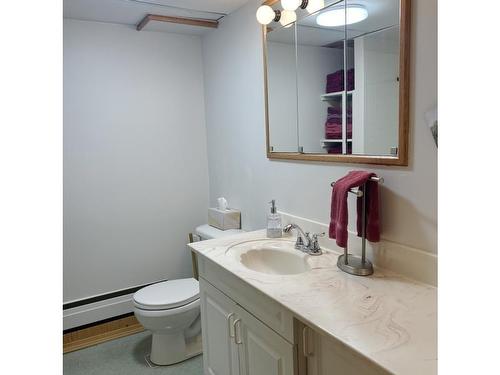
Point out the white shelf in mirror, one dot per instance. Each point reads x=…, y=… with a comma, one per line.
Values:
x=334, y=95
x=335, y=140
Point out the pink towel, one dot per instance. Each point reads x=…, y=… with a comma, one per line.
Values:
x=338, y=215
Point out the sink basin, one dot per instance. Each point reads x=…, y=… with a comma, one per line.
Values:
x=270, y=257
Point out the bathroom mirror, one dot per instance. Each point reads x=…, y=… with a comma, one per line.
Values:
x=314, y=110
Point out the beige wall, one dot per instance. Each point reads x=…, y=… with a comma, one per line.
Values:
x=240, y=171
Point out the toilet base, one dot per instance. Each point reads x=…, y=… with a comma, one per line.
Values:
x=170, y=349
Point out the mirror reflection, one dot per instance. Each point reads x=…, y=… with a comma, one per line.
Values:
x=282, y=89
x=347, y=80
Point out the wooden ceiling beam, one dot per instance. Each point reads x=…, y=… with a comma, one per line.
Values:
x=178, y=20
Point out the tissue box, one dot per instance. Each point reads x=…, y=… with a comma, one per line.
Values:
x=224, y=219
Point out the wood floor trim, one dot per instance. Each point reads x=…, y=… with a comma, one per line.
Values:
x=100, y=333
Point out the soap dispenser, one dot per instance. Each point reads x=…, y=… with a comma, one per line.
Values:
x=274, y=228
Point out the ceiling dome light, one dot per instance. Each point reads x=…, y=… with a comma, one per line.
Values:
x=290, y=4
x=337, y=16
x=287, y=17
x=315, y=5
x=265, y=14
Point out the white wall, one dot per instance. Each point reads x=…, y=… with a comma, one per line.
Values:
x=239, y=169
x=135, y=169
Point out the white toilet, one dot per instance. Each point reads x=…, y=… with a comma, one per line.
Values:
x=171, y=311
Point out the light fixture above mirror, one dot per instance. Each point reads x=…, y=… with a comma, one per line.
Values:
x=292, y=4
x=311, y=5
x=265, y=14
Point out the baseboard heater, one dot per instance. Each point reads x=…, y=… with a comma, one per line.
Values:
x=99, y=308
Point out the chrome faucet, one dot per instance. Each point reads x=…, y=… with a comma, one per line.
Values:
x=301, y=236
x=304, y=242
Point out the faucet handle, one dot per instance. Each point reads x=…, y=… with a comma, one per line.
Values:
x=316, y=235
x=315, y=248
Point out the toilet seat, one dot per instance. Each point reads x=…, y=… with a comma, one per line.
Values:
x=167, y=295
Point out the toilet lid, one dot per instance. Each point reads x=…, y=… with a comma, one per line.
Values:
x=167, y=294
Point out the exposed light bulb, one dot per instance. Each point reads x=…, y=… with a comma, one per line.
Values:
x=315, y=5
x=287, y=17
x=265, y=14
x=290, y=4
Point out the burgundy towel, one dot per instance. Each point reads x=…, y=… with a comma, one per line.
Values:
x=334, y=130
x=372, y=212
x=338, y=215
x=335, y=81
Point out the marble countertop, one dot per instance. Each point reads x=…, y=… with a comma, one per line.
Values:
x=387, y=318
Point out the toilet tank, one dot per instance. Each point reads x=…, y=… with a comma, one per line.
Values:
x=207, y=232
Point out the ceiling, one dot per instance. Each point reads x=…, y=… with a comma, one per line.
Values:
x=130, y=12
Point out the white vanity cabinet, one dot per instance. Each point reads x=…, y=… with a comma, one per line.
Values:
x=322, y=355
x=248, y=333
x=235, y=342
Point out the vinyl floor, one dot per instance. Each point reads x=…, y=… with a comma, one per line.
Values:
x=124, y=356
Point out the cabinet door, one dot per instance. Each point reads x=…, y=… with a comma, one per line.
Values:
x=327, y=356
x=218, y=313
x=262, y=351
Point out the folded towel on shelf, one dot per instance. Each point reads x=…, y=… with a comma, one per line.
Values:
x=335, y=148
x=333, y=129
x=335, y=81
x=339, y=214
x=336, y=113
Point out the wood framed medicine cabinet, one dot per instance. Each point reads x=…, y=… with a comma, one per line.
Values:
x=400, y=158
